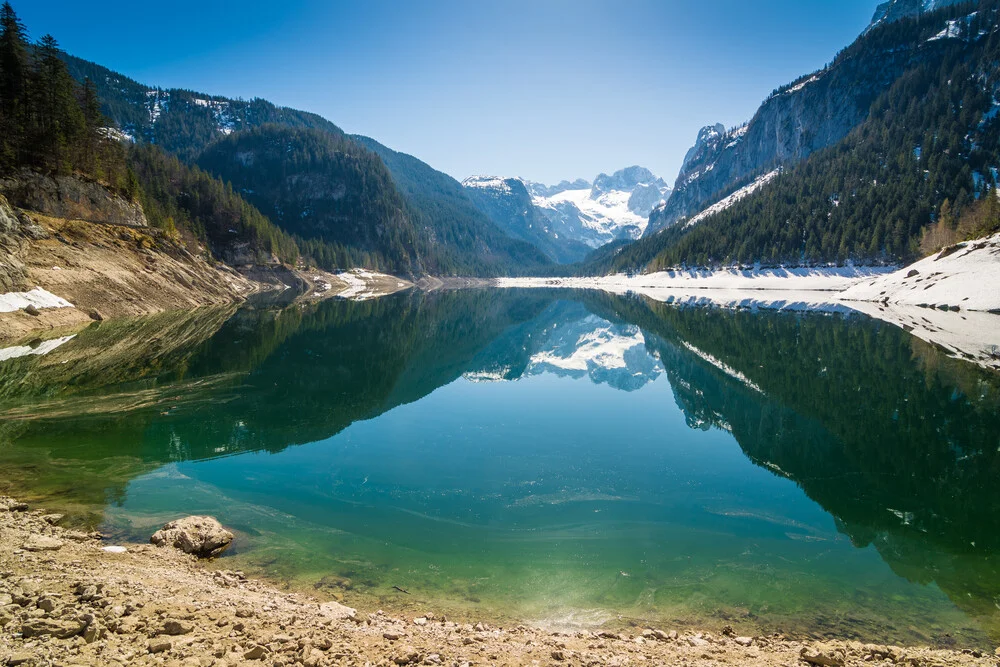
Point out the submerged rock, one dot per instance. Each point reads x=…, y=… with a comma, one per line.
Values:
x=202, y=536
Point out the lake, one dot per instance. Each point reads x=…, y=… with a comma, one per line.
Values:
x=563, y=458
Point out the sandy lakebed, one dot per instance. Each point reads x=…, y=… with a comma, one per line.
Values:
x=66, y=598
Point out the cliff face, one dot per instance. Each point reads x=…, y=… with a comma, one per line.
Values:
x=16, y=231
x=814, y=112
x=70, y=197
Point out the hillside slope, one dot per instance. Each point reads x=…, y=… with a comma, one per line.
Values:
x=463, y=238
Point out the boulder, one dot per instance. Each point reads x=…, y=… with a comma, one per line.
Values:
x=60, y=629
x=202, y=536
x=824, y=656
x=336, y=611
x=42, y=543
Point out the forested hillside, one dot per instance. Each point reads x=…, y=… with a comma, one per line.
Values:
x=466, y=239
x=182, y=122
x=927, y=153
x=47, y=121
x=333, y=196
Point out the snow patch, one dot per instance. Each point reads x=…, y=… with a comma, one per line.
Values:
x=964, y=276
x=722, y=366
x=726, y=202
x=37, y=297
x=39, y=350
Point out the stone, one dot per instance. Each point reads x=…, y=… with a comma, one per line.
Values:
x=420, y=621
x=697, y=641
x=11, y=505
x=202, y=536
x=42, y=543
x=47, y=605
x=159, y=645
x=52, y=519
x=743, y=641
x=823, y=656
x=256, y=653
x=20, y=658
x=32, y=310
x=336, y=611
x=93, y=632
x=391, y=636
x=175, y=627
x=59, y=629
x=96, y=315
x=560, y=655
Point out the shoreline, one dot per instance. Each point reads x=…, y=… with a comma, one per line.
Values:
x=64, y=595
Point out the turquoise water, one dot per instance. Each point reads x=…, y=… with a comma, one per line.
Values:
x=567, y=459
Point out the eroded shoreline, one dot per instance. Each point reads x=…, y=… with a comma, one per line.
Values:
x=67, y=599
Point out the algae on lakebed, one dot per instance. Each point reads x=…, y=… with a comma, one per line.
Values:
x=513, y=455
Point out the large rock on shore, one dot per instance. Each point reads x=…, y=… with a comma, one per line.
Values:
x=202, y=536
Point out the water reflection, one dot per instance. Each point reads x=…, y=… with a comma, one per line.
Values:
x=428, y=455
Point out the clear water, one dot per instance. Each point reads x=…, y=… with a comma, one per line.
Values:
x=567, y=459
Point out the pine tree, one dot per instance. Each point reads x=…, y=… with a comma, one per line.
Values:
x=13, y=84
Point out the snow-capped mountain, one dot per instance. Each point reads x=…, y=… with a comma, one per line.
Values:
x=572, y=218
x=612, y=207
x=507, y=202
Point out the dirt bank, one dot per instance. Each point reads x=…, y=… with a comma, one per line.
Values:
x=66, y=599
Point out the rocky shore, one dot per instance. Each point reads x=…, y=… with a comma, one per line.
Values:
x=68, y=598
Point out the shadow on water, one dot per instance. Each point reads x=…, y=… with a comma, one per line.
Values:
x=896, y=443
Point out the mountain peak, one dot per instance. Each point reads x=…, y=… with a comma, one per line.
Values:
x=895, y=10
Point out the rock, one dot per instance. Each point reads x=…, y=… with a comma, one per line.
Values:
x=743, y=641
x=823, y=656
x=912, y=272
x=20, y=658
x=391, y=636
x=93, y=632
x=336, y=611
x=11, y=505
x=256, y=653
x=42, y=543
x=47, y=605
x=96, y=315
x=52, y=519
x=202, y=536
x=407, y=657
x=114, y=550
x=560, y=655
x=697, y=641
x=175, y=627
x=159, y=645
x=32, y=310
x=59, y=629
x=420, y=621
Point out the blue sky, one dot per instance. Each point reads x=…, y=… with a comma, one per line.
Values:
x=547, y=90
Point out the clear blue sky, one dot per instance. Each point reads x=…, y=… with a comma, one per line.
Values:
x=544, y=89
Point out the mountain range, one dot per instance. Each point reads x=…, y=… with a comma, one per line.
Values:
x=854, y=162
x=573, y=218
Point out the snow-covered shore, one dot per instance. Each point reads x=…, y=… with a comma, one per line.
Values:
x=826, y=279
x=941, y=299
x=965, y=276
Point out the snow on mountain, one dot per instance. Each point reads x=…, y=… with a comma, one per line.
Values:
x=895, y=10
x=726, y=202
x=612, y=207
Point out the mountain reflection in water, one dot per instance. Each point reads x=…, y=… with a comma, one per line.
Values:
x=519, y=451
